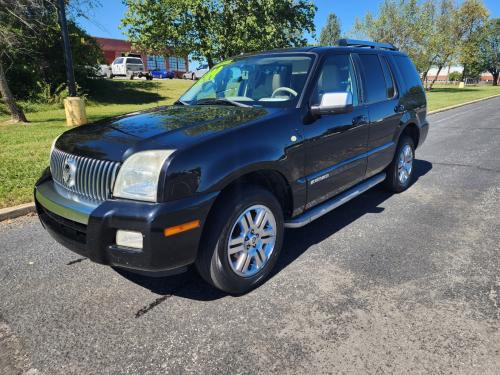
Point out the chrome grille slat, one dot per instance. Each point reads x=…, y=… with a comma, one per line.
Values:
x=94, y=178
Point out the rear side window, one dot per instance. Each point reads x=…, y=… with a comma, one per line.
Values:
x=389, y=79
x=375, y=86
x=408, y=71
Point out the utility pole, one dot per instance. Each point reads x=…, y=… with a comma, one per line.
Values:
x=70, y=75
x=73, y=105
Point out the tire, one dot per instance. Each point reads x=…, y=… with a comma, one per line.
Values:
x=193, y=77
x=214, y=263
x=401, y=170
x=130, y=76
x=109, y=74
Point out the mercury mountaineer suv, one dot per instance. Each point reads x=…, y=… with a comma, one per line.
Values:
x=261, y=143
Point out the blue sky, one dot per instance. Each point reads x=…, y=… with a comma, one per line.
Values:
x=106, y=19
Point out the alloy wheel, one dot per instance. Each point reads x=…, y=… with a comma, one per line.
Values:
x=405, y=164
x=252, y=240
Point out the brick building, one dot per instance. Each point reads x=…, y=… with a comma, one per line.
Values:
x=113, y=48
x=445, y=72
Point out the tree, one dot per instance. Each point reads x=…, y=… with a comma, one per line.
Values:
x=19, y=21
x=444, y=37
x=29, y=63
x=490, y=49
x=482, y=52
x=403, y=23
x=330, y=33
x=454, y=76
x=432, y=33
x=472, y=17
x=217, y=29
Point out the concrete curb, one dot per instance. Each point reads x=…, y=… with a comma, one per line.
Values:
x=16, y=211
x=461, y=104
x=24, y=209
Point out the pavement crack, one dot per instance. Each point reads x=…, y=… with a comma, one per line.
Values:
x=152, y=305
x=158, y=301
x=76, y=261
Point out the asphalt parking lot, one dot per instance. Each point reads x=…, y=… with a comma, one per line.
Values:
x=406, y=283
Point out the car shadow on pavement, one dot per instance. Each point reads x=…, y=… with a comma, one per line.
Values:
x=190, y=285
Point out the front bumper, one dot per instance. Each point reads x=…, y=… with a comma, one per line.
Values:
x=91, y=230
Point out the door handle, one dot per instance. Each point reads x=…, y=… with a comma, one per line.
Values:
x=399, y=108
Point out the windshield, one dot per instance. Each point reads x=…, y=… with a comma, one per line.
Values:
x=134, y=61
x=258, y=80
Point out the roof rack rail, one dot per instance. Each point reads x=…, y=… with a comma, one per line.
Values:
x=365, y=43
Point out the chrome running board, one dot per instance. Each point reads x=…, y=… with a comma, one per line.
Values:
x=331, y=204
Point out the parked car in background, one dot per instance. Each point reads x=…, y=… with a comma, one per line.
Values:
x=267, y=141
x=102, y=70
x=130, y=67
x=163, y=73
x=197, y=73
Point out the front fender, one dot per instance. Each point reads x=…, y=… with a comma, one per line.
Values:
x=212, y=165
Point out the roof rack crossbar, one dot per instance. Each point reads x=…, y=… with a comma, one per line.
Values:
x=365, y=43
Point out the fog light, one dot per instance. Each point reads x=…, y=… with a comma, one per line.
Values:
x=128, y=238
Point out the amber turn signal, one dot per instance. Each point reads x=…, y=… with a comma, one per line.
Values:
x=181, y=228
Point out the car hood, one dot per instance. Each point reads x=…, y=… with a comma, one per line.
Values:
x=172, y=127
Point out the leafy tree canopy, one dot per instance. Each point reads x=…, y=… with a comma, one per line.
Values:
x=330, y=33
x=432, y=32
x=217, y=29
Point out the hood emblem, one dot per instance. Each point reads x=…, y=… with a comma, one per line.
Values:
x=69, y=172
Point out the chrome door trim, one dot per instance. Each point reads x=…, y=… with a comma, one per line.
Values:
x=325, y=207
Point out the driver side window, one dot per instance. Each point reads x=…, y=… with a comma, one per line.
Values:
x=337, y=75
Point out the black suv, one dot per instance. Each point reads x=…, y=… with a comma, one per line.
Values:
x=261, y=143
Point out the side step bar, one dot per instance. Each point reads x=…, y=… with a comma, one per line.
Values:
x=331, y=204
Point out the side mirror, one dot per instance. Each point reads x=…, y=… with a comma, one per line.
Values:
x=332, y=103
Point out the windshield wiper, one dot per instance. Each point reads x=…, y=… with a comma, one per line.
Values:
x=224, y=101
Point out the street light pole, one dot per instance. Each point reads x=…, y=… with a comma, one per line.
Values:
x=67, y=49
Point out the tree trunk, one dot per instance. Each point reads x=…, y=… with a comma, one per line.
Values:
x=495, y=78
x=210, y=61
x=436, y=77
x=16, y=113
x=424, y=78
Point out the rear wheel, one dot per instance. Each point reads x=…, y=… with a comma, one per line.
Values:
x=400, y=171
x=242, y=240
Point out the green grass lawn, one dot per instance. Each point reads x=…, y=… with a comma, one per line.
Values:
x=24, y=149
x=443, y=96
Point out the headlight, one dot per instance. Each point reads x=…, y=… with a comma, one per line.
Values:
x=138, y=177
x=52, y=147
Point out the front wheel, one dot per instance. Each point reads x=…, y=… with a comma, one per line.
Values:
x=400, y=171
x=242, y=241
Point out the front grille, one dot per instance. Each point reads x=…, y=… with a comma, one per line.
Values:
x=92, y=179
